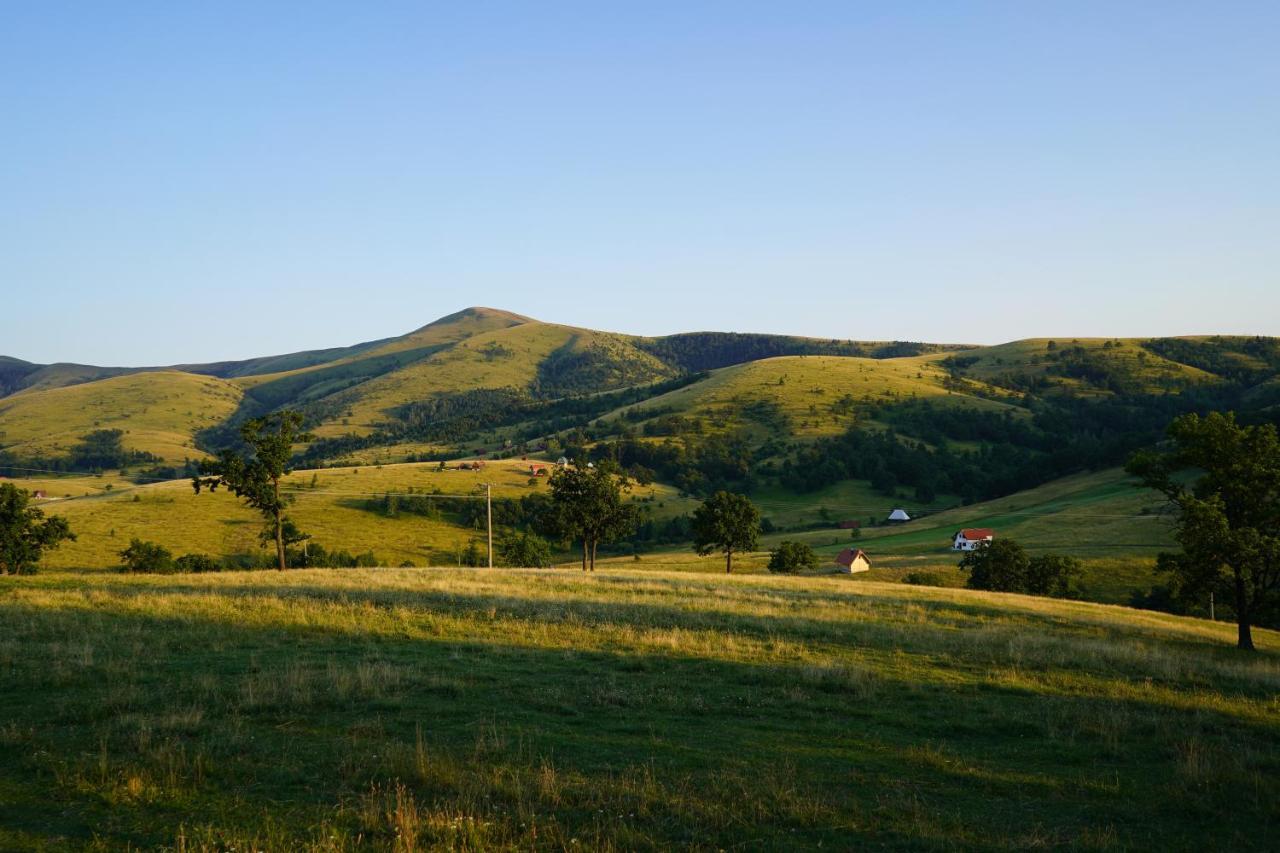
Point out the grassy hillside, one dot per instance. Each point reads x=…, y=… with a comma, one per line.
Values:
x=809, y=395
x=1081, y=364
x=1100, y=518
x=159, y=412
x=410, y=709
x=332, y=510
x=1103, y=518
x=530, y=357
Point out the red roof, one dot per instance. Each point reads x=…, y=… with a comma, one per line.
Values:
x=973, y=534
x=848, y=556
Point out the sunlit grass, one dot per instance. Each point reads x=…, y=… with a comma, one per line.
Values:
x=409, y=709
x=159, y=413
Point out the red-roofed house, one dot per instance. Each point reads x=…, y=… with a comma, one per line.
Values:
x=851, y=561
x=972, y=537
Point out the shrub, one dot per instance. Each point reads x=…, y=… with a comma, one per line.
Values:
x=923, y=579
x=1004, y=566
x=790, y=557
x=142, y=556
x=526, y=550
x=197, y=563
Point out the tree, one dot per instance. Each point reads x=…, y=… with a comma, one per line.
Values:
x=25, y=534
x=255, y=476
x=726, y=522
x=790, y=557
x=999, y=566
x=1222, y=480
x=1005, y=566
x=143, y=556
x=1054, y=574
x=586, y=505
x=525, y=550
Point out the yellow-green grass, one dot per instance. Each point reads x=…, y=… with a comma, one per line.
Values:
x=334, y=512
x=846, y=500
x=1105, y=580
x=1032, y=357
x=455, y=327
x=503, y=358
x=159, y=412
x=58, y=487
x=1096, y=514
x=805, y=387
x=455, y=709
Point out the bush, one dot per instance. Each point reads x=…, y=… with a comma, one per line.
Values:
x=923, y=579
x=524, y=550
x=148, y=557
x=197, y=563
x=790, y=557
x=1004, y=566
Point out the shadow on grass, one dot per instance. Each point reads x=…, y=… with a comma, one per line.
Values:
x=295, y=724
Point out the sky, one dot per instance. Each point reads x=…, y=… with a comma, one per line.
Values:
x=187, y=182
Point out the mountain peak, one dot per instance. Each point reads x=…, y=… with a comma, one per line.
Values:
x=481, y=313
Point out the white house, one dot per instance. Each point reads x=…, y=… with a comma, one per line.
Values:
x=899, y=515
x=972, y=537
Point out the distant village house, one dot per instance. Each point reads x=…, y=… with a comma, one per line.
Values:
x=851, y=561
x=972, y=537
x=899, y=515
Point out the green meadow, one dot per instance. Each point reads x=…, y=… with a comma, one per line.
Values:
x=472, y=709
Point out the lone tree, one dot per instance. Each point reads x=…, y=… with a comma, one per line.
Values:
x=255, y=476
x=726, y=522
x=586, y=506
x=1222, y=480
x=25, y=534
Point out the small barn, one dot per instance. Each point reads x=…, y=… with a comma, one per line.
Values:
x=40, y=494
x=972, y=537
x=899, y=515
x=853, y=560
x=850, y=524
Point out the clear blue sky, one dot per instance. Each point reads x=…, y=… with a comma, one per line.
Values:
x=182, y=183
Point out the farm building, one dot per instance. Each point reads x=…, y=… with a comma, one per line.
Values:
x=40, y=494
x=852, y=561
x=850, y=524
x=537, y=471
x=899, y=515
x=972, y=537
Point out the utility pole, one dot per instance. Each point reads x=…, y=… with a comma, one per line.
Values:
x=1212, y=618
x=488, y=506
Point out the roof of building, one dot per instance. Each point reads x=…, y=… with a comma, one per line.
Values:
x=973, y=533
x=899, y=515
x=848, y=556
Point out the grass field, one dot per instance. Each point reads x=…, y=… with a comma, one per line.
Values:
x=159, y=412
x=171, y=514
x=466, y=709
x=804, y=389
x=1030, y=357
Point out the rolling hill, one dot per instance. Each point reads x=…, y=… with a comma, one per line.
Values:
x=1026, y=436
x=159, y=412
